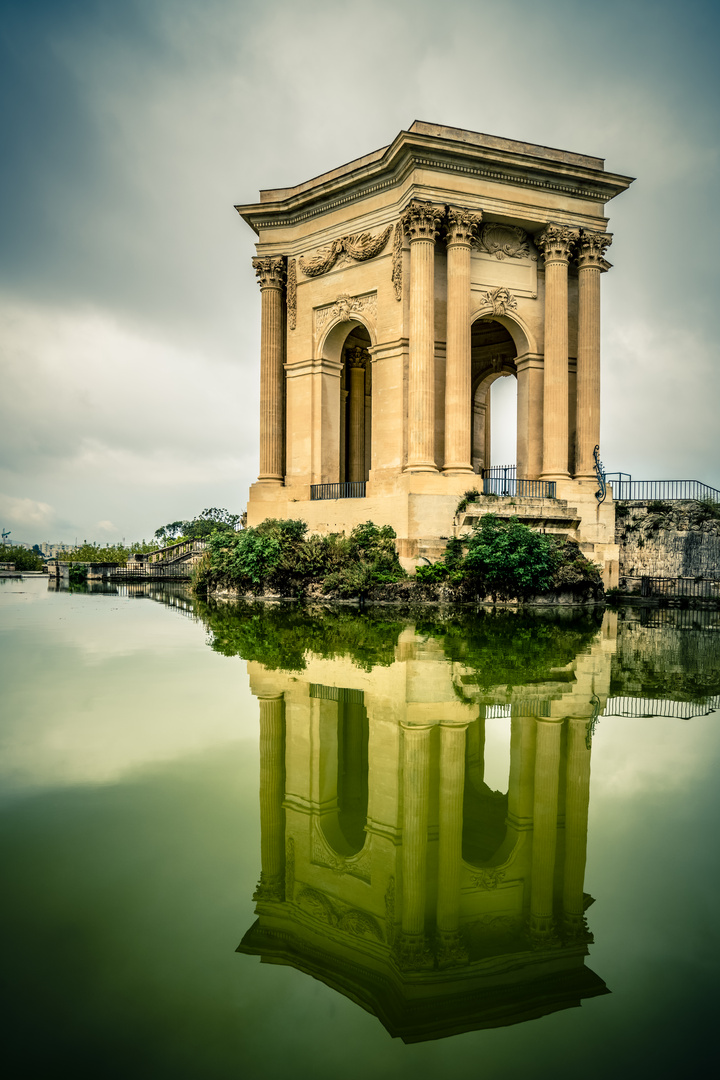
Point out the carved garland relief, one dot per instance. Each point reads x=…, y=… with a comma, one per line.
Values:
x=357, y=246
x=292, y=294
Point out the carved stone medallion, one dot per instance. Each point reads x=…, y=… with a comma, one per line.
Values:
x=504, y=241
x=500, y=300
x=345, y=307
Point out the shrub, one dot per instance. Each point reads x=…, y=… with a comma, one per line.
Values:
x=621, y=510
x=507, y=557
x=277, y=556
x=21, y=557
x=470, y=496
x=657, y=506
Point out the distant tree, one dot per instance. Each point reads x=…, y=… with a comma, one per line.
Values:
x=22, y=558
x=213, y=519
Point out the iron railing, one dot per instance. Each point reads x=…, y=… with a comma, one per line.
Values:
x=646, y=707
x=676, y=588
x=503, y=480
x=522, y=489
x=627, y=490
x=355, y=489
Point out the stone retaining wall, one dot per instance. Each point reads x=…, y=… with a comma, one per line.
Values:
x=677, y=539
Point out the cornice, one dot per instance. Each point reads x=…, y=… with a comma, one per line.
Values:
x=412, y=150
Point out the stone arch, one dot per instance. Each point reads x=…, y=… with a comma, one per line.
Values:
x=523, y=337
x=494, y=354
x=484, y=811
x=344, y=779
x=332, y=337
x=347, y=348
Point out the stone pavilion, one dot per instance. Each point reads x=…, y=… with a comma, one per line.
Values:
x=394, y=291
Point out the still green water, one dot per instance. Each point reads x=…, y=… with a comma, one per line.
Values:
x=456, y=831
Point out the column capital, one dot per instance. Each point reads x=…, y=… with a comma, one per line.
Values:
x=270, y=271
x=357, y=358
x=421, y=220
x=590, y=250
x=556, y=242
x=462, y=225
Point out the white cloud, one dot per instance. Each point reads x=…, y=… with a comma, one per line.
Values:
x=26, y=512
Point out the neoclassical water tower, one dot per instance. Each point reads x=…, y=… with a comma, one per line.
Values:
x=395, y=290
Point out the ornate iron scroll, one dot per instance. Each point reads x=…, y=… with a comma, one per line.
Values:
x=601, y=492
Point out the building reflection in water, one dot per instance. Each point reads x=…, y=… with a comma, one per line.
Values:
x=392, y=872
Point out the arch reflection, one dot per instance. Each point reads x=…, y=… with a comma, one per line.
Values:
x=391, y=871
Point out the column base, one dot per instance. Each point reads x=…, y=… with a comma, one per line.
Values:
x=585, y=476
x=542, y=933
x=270, y=887
x=575, y=928
x=450, y=949
x=274, y=479
x=458, y=470
x=411, y=953
x=555, y=476
x=421, y=466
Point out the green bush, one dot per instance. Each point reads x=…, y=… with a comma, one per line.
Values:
x=276, y=556
x=21, y=557
x=507, y=557
x=469, y=497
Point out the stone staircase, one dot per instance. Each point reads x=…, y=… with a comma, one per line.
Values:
x=544, y=515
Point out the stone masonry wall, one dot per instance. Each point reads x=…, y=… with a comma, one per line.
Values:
x=677, y=539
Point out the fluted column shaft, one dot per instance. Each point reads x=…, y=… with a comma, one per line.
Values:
x=452, y=783
x=591, y=264
x=272, y=794
x=556, y=242
x=356, y=464
x=545, y=807
x=271, y=274
x=577, y=801
x=458, y=383
x=416, y=775
x=421, y=223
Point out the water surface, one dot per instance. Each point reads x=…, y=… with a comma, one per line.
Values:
x=493, y=838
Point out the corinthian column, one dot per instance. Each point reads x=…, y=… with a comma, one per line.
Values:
x=356, y=360
x=458, y=402
x=421, y=222
x=271, y=274
x=555, y=242
x=590, y=251
x=547, y=778
x=272, y=793
x=412, y=950
x=577, y=798
x=452, y=783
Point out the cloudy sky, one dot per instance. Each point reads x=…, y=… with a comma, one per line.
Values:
x=129, y=313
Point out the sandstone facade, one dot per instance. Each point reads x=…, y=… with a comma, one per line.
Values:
x=395, y=290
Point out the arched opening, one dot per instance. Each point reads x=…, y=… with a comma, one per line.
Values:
x=493, y=358
x=355, y=407
x=352, y=779
x=484, y=809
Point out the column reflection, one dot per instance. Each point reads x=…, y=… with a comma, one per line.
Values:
x=390, y=869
